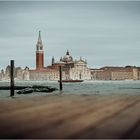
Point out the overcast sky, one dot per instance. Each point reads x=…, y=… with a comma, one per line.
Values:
x=104, y=33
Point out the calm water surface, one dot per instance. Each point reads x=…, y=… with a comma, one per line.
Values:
x=87, y=87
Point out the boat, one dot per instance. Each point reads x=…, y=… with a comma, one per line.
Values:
x=36, y=88
x=71, y=81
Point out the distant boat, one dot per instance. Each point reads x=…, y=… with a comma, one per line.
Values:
x=72, y=81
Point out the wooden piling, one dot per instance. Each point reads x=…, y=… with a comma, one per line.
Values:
x=60, y=78
x=12, y=78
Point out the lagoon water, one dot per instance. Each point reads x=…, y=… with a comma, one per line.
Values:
x=86, y=88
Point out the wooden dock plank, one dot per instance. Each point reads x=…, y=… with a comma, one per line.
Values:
x=118, y=126
x=50, y=114
x=15, y=104
x=69, y=116
x=81, y=123
x=134, y=132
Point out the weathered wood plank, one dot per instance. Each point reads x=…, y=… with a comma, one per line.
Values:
x=68, y=129
x=18, y=105
x=118, y=126
x=134, y=131
x=67, y=116
x=33, y=112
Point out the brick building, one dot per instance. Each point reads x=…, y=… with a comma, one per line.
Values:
x=116, y=73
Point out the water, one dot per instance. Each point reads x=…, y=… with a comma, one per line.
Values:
x=86, y=88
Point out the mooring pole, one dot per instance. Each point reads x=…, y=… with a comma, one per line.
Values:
x=60, y=78
x=12, y=78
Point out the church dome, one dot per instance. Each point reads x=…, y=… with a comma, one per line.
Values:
x=67, y=58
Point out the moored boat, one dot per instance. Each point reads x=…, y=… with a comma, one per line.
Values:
x=71, y=81
x=36, y=88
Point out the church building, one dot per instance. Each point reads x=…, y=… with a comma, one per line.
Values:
x=71, y=69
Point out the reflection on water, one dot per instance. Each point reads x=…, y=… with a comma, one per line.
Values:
x=86, y=87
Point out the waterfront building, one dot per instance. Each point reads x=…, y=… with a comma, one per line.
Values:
x=71, y=69
x=80, y=71
x=116, y=73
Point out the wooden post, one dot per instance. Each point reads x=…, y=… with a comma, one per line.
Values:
x=60, y=78
x=12, y=78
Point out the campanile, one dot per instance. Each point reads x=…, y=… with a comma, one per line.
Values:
x=39, y=53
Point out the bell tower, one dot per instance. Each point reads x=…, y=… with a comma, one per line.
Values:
x=39, y=53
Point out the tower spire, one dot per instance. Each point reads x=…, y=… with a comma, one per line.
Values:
x=39, y=37
x=39, y=44
x=39, y=53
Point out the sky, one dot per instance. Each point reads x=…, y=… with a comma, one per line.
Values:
x=105, y=33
